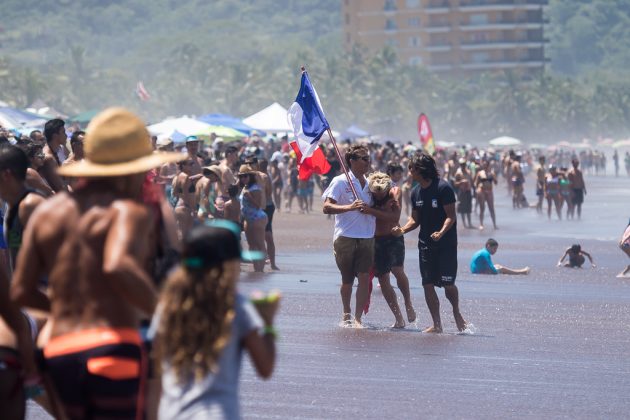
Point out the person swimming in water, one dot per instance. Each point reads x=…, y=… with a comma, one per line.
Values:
x=576, y=257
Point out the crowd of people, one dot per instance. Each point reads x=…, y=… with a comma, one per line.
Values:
x=121, y=253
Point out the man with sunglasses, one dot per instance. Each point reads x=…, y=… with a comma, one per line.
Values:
x=353, y=240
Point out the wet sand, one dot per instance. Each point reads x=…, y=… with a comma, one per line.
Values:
x=552, y=344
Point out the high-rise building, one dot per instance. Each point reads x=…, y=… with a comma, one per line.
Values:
x=452, y=36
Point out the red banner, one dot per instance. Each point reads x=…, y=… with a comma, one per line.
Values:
x=425, y=134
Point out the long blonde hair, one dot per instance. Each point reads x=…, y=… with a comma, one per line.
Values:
x=197, y=309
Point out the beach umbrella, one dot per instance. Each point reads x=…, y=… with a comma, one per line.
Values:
x=582, y=145
x=621, y=143
x=505, y=141
x=445, y=144
x=272, y=119
x=186, y=126
x=224, y=120
x=226, y=132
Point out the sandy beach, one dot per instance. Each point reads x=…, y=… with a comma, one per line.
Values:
x=553, y=344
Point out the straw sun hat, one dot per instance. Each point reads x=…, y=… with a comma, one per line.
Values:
x=117, y=143
x=245, y=170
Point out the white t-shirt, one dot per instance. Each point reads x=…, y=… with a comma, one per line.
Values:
x=351, y=224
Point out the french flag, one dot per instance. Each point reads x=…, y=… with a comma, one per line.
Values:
x=142, y=92
x=308, y=122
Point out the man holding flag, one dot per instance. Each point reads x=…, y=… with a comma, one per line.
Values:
x=347, y=196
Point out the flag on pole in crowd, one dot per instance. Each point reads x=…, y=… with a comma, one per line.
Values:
x=425, y=134
x=308, y=122
x=142, y=92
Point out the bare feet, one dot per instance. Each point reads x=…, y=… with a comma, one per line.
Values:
x=433, y=330
x=461, y=323
x=480, y=227
x=399, y=324
x=411, y=313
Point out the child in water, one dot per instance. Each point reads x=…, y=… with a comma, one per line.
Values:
x=576, y=257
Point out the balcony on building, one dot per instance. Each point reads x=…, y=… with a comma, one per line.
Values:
x=497, y=5
x=390, y=6
x=437, y=26
x=390, y=26
x=438, y=47
x=502, y=24
x=437, y=6
x=497, y=64
x=498, y=44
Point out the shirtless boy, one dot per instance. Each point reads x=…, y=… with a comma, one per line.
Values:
x=92, y=245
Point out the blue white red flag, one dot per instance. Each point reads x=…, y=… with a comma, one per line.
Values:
x=142, y=92
x=307, y=119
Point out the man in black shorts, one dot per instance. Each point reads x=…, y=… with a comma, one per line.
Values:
x=433, y=208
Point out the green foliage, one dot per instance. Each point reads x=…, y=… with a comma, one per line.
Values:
x=237, y=56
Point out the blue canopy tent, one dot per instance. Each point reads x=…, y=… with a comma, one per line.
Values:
x=227, y=121
x=17, y=118
x=354, y=132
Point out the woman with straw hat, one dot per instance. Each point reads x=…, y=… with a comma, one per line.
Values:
x=92, y=245
x=251, y=208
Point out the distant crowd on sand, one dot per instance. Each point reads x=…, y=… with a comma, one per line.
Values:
x=120, y=254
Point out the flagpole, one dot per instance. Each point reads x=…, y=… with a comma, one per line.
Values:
x=343, y=165
x=341, y=161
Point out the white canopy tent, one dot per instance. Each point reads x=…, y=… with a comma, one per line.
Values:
x=184, y=125
x=505, y=141
x=272, y=119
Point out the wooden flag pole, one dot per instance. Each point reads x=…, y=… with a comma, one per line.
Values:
x=341, y=161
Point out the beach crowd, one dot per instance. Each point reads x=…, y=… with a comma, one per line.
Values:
x=121, y=253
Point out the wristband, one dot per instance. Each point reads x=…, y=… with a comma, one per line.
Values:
x=270, y=330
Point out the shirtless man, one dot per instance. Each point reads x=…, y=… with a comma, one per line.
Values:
x=92, y=245
x=192, y=148
x=389, y=250
x=22, y=201
x=579, y=187
x=168, y=171
x=76, y=144
x=540, y=183
x=55, y=134
x=16, y=329
x=227, y=177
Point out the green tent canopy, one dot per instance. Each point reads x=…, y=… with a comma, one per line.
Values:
x=84, y=117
